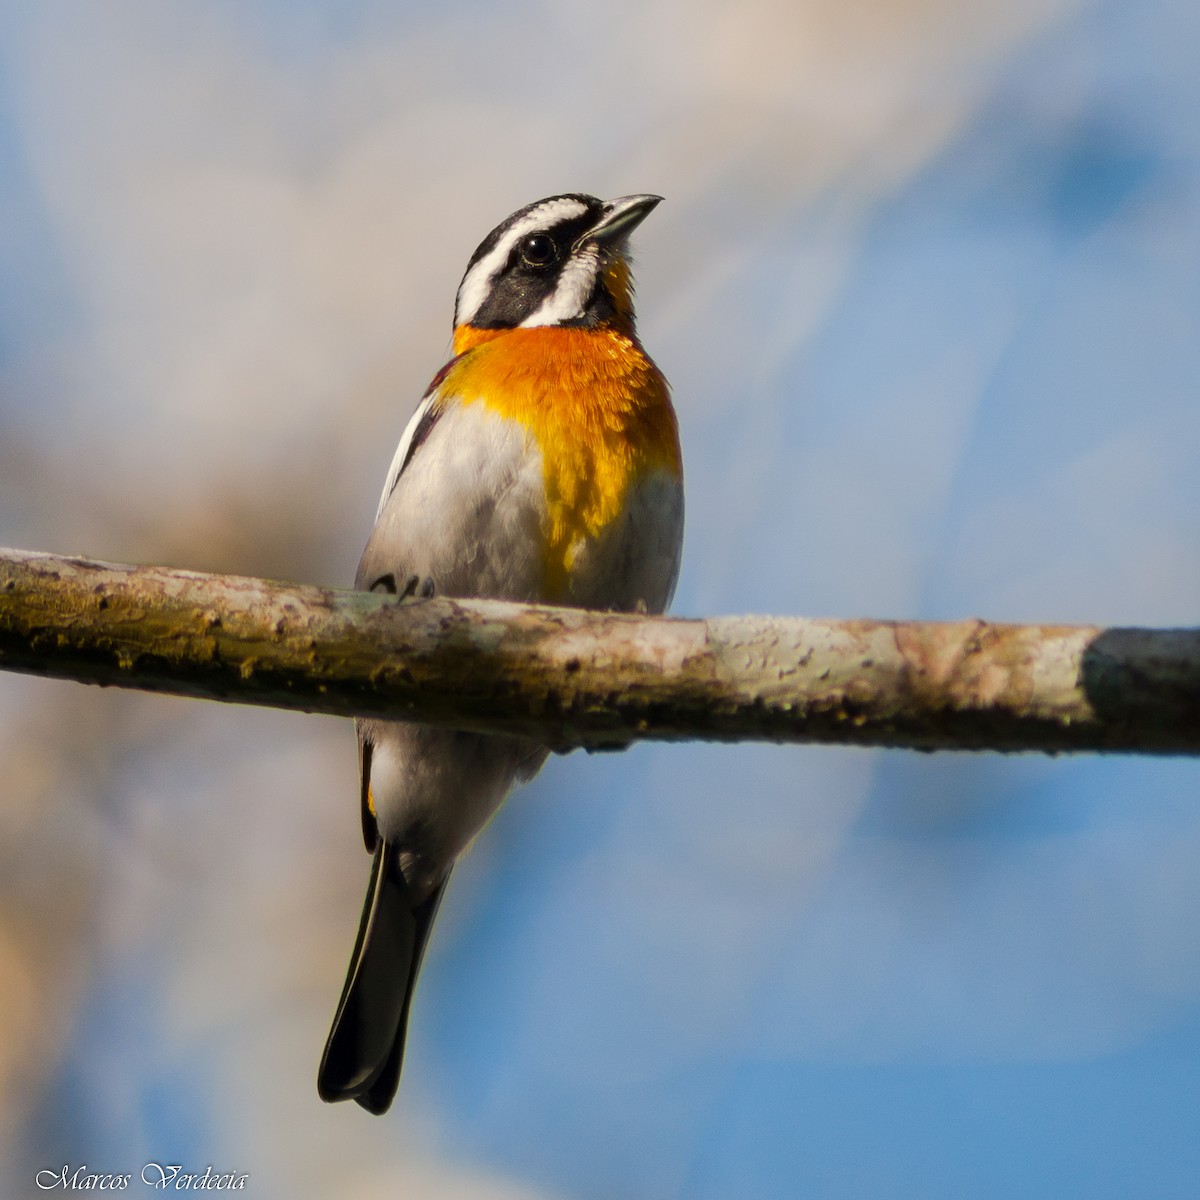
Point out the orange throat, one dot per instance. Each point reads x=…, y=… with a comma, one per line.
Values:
x=595, y=404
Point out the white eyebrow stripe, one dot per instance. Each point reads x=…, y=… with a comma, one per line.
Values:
x=477, y=282
x=571, y=294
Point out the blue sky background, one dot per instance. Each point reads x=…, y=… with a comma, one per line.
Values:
x=927, y=286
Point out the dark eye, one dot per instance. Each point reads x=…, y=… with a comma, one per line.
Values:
x=538, y=250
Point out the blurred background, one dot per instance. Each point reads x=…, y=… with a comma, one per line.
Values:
x=927, y=285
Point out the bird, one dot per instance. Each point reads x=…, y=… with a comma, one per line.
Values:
x=542, y=465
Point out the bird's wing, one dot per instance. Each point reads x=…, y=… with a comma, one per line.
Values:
x=415, y=432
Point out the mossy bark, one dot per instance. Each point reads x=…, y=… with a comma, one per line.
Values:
x=572, y=678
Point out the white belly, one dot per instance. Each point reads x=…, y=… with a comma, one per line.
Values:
x=469, y=514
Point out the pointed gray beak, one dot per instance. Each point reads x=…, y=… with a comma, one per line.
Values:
x=620, y=218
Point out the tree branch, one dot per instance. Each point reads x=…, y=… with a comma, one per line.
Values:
x=572, y=678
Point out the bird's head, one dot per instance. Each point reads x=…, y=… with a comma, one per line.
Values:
x=559, y=261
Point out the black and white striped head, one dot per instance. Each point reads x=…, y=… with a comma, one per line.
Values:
x=558, y=261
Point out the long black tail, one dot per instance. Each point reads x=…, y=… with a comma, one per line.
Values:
x=365, y=1049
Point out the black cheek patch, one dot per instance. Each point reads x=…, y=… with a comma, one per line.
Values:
x=515, y=295
x=518, y=291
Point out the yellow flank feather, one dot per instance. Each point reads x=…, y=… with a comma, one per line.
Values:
x=597, y=407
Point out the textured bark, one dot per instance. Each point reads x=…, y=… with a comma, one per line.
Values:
x=573, y=678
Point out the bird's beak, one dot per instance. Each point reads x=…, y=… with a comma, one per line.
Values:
x=620, y=218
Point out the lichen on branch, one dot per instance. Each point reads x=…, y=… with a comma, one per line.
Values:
x=573, y=678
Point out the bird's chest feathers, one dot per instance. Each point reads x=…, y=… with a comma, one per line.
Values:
x=594, y=405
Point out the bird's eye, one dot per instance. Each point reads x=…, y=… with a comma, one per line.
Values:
x=538, y=250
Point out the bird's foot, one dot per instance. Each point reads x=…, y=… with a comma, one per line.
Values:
x=415, y=588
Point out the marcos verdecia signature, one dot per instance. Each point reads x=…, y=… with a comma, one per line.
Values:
x=156, y=1176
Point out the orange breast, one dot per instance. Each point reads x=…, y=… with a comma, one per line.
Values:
x=597, y=407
